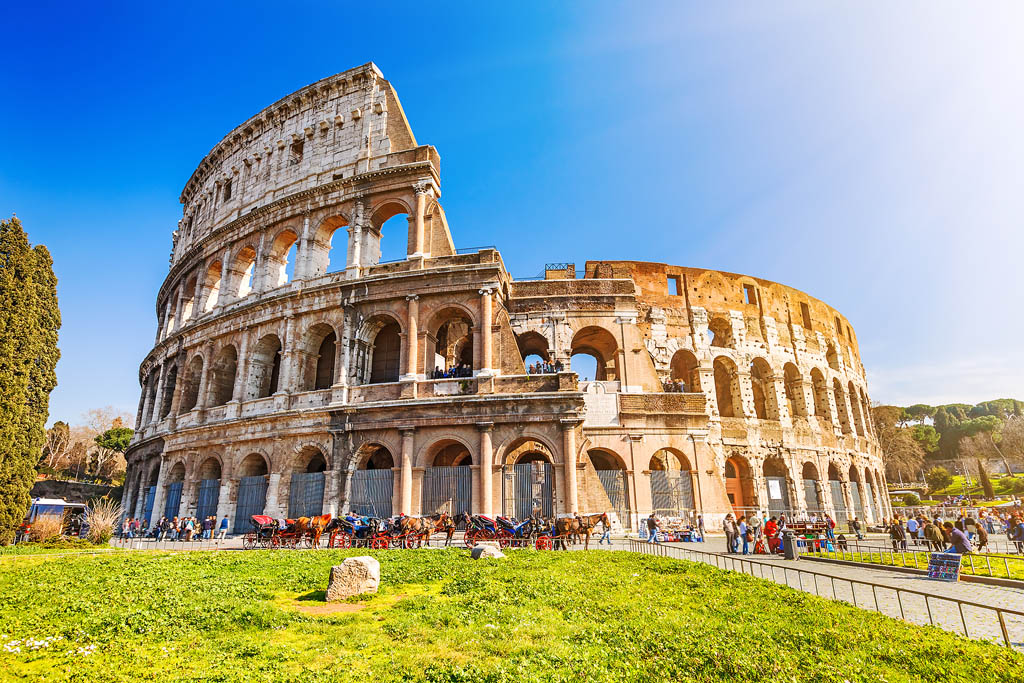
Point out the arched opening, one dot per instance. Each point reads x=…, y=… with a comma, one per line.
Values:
x=720, y=332
x=858, y=418
x=762, y=384
x=831, y=356
x=812, y=490
x=208, y=495
x=739, y=485
x=222, y=376
x=388, y=237
x=671, y=482
x=170, y=317
x=727, y=388
x=150, y=387
x=190, y=390
x=252, y=490
x=448, y=480
x=243, y=271
x=866, y=412
x=820, y=391
x=871, y=491
x=795, y=398
x=855, y=493
x=611, y=481
x=329, y=248
x=683, y=369
x=779, y=499
x=835, y=484
x=211, y=286
x=306, y=488
x=170, y=384
x=528, y=481
x=450, y=335
x=373, y=482
x=533, y=348
x=841, y=406
x=386, y=354
x=172, y=496
x=188, y=300
x=599, y=344
x=264, y=368
x=280, y=260
x=318, y=351
x=150, y=494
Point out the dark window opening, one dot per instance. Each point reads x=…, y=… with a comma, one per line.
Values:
x=227, y=190
x=805, y=311
x=296, y=153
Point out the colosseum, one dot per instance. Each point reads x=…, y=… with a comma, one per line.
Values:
x=295, y=373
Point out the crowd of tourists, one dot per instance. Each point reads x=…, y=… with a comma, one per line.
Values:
x=456, y=371
x=544, y=368
x=961, y=535
x=673, y=386
x=175, y=528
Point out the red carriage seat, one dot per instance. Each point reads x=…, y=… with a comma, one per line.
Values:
x=263, y=520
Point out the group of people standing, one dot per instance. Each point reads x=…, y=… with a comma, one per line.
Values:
x=460, y=370
x=961, y=535
x=175, y=529
x=544, y=368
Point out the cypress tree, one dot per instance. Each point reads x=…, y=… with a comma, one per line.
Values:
x=986, y=483
x=29, y=321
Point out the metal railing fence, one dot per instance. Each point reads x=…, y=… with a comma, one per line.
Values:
x=973, y=564
x=768, y=570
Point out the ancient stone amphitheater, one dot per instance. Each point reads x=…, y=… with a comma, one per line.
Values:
x=293, y=373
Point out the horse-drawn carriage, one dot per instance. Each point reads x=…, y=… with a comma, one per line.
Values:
x=270, y=533
x=402, y=531
x=530, y=532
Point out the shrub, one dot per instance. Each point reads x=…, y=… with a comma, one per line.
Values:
x=104, y=514
x=45, y=527
x=911, y=499
x=938, y=478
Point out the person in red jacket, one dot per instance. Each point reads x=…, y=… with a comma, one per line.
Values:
x=771, y=531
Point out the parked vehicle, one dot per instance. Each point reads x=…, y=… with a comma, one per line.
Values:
x=75, y=516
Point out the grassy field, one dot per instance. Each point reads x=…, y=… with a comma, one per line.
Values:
x=983, y=564
x=1002, y=486
x=600, y=616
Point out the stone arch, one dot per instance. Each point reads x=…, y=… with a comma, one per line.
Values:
x=372, y=479
x=190, y=389
x=377, y=236
x=447, y=476
x=831, y=356
x=209, y=468
x=720, y=332
x=739, y=484
x=835, y=482
x=763, y=388
x=322, y=246
x=251, y=493
x=304, y=488
x=447, y=451
x=450, y=335
x=600, y=344
x=254, y=464
x=243, y=272
x=814, y=499
x=841, y=406
x=781, y=496
x=866, y=411
x=317, y=356
x=669, y=460
x=277, y=258
x=795, y=396
x=524, y=448
x=211, y=286
x=309, y=458
x=374, y=455
x=170, y=383
x=188, y=300
x=819, y=388
x=222, y=375
x=528, y=485
x=264, y=368
x=533, y=343
x=727, y=387
x=379, y=349
x=683, y=368
x=858, y=417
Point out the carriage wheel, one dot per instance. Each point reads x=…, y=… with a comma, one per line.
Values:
x=249, y=541
x=307, y=541
x=378, y=543
x=470, y=538
x=504, y=541
x=544, y=543
x=343, y=540
x=410, y=542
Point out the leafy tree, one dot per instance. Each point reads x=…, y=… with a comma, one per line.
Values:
x=938, y=478
x=911, y=499
x=57, y=446
x=29, y=322
x=901, y=453
x=986, y=483
x=926, y=436
x=919, y=412
x=1012, y=441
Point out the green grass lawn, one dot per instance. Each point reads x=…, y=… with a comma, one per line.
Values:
x=1002, y=486
x=981, y=564
x=598, y=616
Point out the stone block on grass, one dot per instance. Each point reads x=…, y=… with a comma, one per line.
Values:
x=354, y=576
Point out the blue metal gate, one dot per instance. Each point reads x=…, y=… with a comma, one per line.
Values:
x=371, y=492
x=173, y=500
x=252, y=496
x=529, y=490
x=306, y=498
x=447, y=489
x=209, y=496
x=147, y=509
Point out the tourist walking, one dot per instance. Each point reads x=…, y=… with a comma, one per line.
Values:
x=729, y=527
x=960, y=543
x=744, y=532
x=855, y=525
x=652, y=528
x=223, y=528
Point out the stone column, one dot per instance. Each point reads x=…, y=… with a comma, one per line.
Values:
x=485, y=332
x=178, y=311
x=288, y=357
x=142, y=408
x=159, y=398
x=302, y=268
x=224, y=504
x=406, y=473
x=197, y=297
x=418, y=241
x=158, y=499
x=339, y=391
x=224, y=294
x=241, y=369
x=569, y=456
x=355, y=242
x=272, y=506
x=782, y=405
x=486, y=468
x=412, y=339
x=204, y=383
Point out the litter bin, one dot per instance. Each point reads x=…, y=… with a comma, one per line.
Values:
x=789, y=550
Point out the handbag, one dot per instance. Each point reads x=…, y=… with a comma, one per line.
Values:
x=749, y=537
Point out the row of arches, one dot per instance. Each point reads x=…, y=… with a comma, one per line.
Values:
x=720, y=335
x=593, y=353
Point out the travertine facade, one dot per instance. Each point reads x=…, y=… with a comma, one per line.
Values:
x=291, y=372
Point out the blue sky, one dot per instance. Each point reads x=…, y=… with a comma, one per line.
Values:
x=870, y=155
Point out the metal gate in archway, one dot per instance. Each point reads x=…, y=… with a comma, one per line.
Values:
x=858, y=503
x=252, y=496
x=447, y=489
x=871, y=500
x=528, y=490
x=614, y=483
x=671, y=493
x=838, y=502
x=778, y=496
x=173, y=500
x=372, y=491
x=209, y=496
x=306, y=495
x=147, y=504
x=812, y=497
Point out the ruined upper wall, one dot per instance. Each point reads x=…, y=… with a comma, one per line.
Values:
x=338, y=127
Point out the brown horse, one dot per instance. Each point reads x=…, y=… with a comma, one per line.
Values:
x=316, y=526
x=581, y=525
x=422, y=528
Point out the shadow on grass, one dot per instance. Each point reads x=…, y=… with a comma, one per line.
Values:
x=315, y=596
